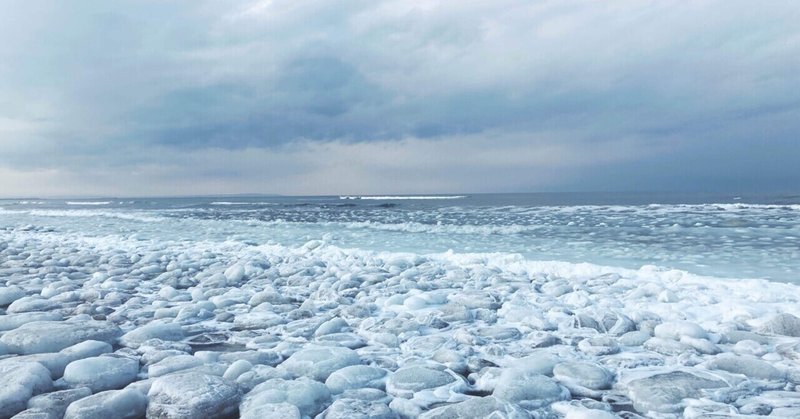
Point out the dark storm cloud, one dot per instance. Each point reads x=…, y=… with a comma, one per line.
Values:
x=140, y=97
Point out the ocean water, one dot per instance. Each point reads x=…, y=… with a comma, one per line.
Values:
x=729, y=236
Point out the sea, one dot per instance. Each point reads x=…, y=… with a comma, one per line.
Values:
x=719, y=235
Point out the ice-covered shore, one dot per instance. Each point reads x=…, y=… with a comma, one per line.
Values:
x=120, y=327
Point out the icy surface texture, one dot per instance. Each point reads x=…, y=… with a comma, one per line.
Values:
x=176, y=314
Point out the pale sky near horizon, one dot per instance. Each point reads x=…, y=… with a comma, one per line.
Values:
x=153, y=97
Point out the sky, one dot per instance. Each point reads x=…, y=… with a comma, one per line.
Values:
x=155, y=97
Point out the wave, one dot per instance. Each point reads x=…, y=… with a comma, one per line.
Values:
x=413, y=227
x=403, y=197
x=228, y=203
x=87, y=213
x=94, y=203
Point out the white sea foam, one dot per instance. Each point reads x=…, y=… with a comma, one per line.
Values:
x=229, y=203
x=122, y=215
x=91, y=203
x=402, y=197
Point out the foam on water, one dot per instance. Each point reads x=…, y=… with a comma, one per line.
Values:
x=90, y=203
x=403, y=197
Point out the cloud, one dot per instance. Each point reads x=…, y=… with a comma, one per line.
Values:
x=668, y=95
x=410, y=165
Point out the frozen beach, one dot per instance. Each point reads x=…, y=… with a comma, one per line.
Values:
x=576, y=306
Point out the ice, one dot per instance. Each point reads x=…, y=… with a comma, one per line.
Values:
x=55, y=404
x=572, y=410
x=10, y=294
x=308, y=396
x=122, y=404
x=193, y=395
x=478, y=407
x=665, y=392
x=163, y=331
x=19, y=381
x=746, y=365
x=32, y=304
x=101, y=373
x=583, y=378
x=172, y=364
x=528, y=389
x=319, y=363
x=237, y=369
x=355, y=377
x=268, y=310
x=13, y=321
x=634, y=338
x=272, y=410
x=782, y=324
x=405, y=382
x=676, y=330
x=331, y=326
x=358, y=409
x=53, y=336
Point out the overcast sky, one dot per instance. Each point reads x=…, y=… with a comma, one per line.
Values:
x=397, y=96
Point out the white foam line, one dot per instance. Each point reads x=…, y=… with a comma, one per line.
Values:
x=240, y=203
x=395, y=198
x=88, y=202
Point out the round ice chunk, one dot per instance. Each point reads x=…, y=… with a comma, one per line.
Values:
x=601, y=345
x=53, y=336
x=665, y=392
x=528, y=389
x=584, y=374
x=272, y=410
x=19, y=381
x=258, y=320
x=539, y=363
x=355, y=408
x=635, y=338
x=55, y=404
x=674, y=330
x=32, y=303
x=172, y=364
x=334, y=325
x=749, y=366
x=163, y=331
x=236, y=369
x=193, y=395
x=122, y=404
x=101, y=373
x=478, y=407
x=407, y=381
x=87, y=349
x=235, y=273
x=310, y=397
x=319, y=363
x=10, y=294
x=356, y=376
x=13, y=321
x=782, y=324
